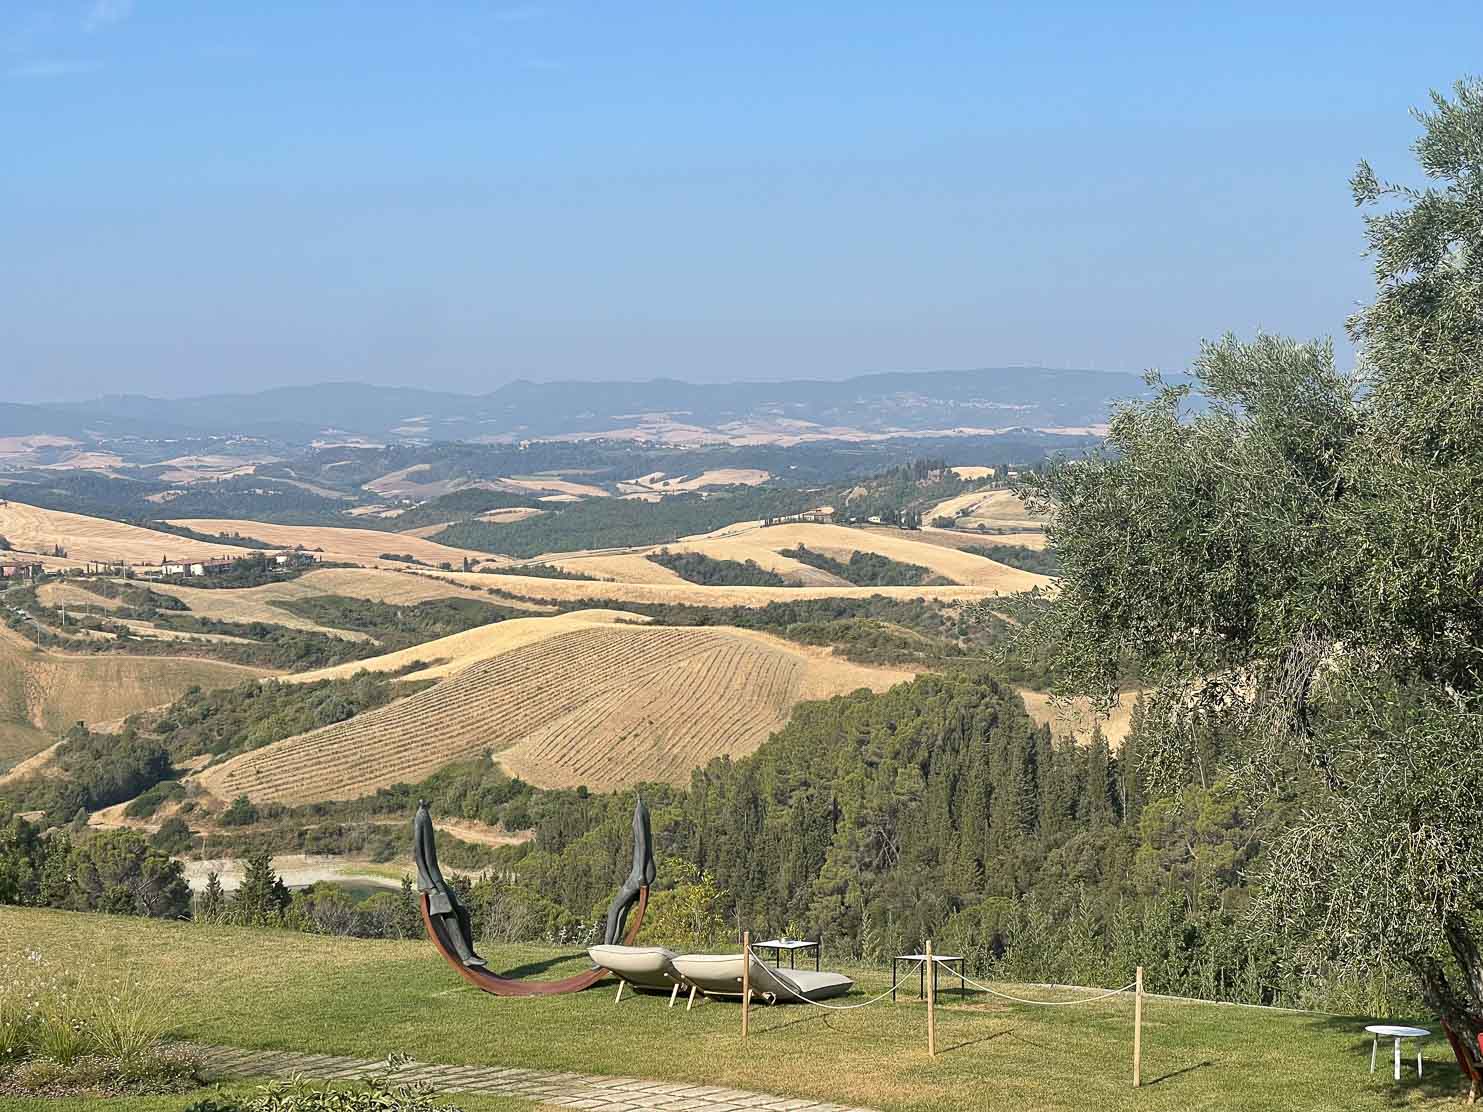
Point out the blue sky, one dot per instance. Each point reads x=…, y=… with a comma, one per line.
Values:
x=205, y=196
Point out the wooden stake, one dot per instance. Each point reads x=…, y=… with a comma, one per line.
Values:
x=1138, y=1031
x=746, y=978
x=931, y=1003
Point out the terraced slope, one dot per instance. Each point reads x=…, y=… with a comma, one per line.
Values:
x=603, y=705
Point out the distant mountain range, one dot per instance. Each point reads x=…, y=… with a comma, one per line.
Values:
x=664, y=409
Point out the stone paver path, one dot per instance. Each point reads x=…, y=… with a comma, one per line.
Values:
x=571, y=1090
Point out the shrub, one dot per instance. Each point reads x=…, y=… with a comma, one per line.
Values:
x=380, y=1094
x=60, y=1033
x=240, y=813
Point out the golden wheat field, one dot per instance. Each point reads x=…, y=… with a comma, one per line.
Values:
x=541, y=484
x=966, y=537
x=1077, y=718
x=720, y=476
x=839, y=541
x=605, y=706
x=534, y=588
x=58, y=594
x=94, y=538
x=255, y=604
x=341, y=544
x=995, y=509
x=49, y=691
x=623, y=567
x=447, y=655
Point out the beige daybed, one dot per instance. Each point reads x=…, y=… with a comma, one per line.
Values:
x=647, y=968
x=721, y=975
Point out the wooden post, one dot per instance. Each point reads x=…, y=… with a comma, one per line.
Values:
x=746, y=978
x=1138, y=1031
x=931, y=1004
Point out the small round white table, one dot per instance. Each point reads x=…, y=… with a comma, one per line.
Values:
x=1386, y=1031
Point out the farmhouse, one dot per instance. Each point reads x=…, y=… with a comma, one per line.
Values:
x=21, y=569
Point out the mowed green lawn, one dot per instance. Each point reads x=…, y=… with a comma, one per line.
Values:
x=468, y=1102
x=286, y=991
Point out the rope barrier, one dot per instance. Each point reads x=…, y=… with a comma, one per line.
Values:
x=795, y=994
x=1049, y=1003
x=842, y=1007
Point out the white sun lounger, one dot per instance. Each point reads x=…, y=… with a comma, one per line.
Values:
x=640, y=967
x=721, y=975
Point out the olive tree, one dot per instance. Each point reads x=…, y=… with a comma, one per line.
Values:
x=1292, y=555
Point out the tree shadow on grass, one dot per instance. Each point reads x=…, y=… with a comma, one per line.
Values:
x=966, y=1043
x=1176, y=1073
x=1443, y=1079
x=531, y=968
x=824, y=1019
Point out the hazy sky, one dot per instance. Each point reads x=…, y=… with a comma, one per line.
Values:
x=200, y=196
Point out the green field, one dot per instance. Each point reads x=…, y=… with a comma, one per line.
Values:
x=469, y=1102
x=279, y=990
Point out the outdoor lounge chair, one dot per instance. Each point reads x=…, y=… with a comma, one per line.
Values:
x=721, y=975
x=644, y=968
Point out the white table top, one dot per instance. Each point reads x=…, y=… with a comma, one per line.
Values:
x=785, y=944
x=923, y=957
x=1388, y=1031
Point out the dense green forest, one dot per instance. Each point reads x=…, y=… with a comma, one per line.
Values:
x=398, y=627
x=695, y=567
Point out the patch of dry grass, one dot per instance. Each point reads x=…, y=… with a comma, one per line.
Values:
x=94, y=538
x=50, y=691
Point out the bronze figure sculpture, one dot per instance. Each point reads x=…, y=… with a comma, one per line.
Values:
x=447, y=921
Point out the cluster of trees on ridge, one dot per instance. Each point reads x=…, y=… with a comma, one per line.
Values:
x=696, y=567
x=869, y=569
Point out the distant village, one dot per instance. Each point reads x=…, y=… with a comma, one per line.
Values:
x=17, y=568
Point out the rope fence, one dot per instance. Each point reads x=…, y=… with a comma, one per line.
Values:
x=795, y=994
x=1135, y=986
x=1051, y=1003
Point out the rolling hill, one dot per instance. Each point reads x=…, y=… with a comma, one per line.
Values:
x=990, y=398
x=43, y=693
x=84, y=538
x=340, y=544
x=628, y=575
x=576, y=701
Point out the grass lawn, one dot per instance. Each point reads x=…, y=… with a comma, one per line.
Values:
x=469, y=1102
x=279, y=990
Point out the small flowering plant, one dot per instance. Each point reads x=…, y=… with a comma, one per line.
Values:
x=50, y=1010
